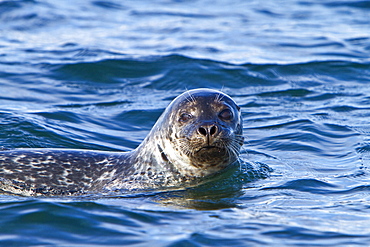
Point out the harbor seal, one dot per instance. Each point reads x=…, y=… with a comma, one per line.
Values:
x=199, y=134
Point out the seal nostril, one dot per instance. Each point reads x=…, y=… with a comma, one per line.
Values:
x=213, y=130
x=202, y=131
x=207, y=130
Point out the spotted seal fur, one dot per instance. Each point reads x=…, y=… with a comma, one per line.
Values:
x=199, y=134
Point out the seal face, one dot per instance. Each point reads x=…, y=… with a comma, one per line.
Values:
x=199, y=134
x=204, y=133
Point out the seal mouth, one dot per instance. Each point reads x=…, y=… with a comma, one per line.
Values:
x=207, y=148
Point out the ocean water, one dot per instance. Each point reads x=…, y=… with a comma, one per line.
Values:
x=97, y=75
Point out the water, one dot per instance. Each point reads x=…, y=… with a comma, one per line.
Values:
x=97, y=74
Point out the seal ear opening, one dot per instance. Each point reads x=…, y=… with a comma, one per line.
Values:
x=163, y=155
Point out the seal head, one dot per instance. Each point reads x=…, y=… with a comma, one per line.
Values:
x=200, y=133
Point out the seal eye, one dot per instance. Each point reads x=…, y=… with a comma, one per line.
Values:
x=185, y=117
x=226, y=115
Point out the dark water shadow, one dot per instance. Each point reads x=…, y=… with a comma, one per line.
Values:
x=220, y=192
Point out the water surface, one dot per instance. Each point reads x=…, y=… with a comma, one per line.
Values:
x=97, y=75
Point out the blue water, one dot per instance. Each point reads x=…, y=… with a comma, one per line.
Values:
x=97, y=74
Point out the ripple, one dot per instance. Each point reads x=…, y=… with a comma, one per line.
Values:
x=306, y=185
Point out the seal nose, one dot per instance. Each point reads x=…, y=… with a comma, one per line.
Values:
x=208, y=130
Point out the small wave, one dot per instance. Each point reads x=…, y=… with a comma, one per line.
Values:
x=306, y=185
